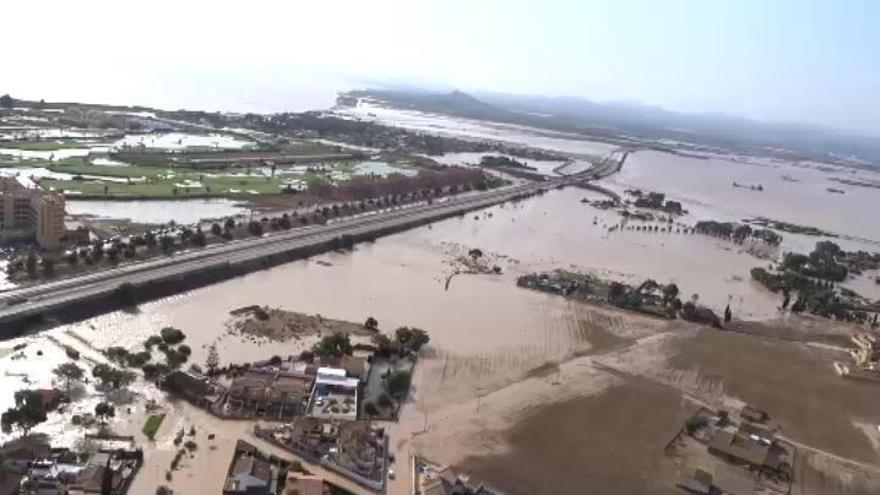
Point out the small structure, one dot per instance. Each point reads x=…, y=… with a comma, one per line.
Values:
x=753, y=414
x=354, y=449
x=335, y=394
x=433, y=480
x=195, y=389
x=304, y=484
x=65, y=471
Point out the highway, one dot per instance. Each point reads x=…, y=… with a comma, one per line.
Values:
x=45, y=297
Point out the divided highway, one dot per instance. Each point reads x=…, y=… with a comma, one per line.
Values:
x=26, y=302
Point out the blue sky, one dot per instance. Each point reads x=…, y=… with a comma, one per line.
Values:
x=806, y=60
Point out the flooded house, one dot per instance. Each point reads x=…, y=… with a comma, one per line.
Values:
x=335, y=394
x=251, y=473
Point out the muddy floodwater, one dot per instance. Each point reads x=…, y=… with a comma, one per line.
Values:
x=792, y=192
x=401, y=280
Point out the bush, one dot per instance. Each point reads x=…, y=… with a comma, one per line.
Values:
x=337, y=344
x=127, y=294
x=398, y=382
x=152, y=340
x=190, y=445
x=185, y=350
x=371, y=409
x=171, y=335
x=385, y=401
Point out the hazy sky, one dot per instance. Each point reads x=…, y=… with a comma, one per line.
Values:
x=801, y=60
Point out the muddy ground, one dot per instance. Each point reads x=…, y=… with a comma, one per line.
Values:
x=608, y=443
x=277, y=324
x=610, y=439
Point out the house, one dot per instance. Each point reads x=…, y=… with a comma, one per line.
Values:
x=17, y=455
x=450, y=482
x=700, y=483
x=192, y=388
x=750, y=445
x=335, y=394
x=304, y=484
x=250, y=473
x=50, y=397
x=251, y=476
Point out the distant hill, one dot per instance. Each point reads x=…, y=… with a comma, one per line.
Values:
x=617, y=121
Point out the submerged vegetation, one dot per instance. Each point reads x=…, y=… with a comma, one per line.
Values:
x=810, y=279
x=649, y=297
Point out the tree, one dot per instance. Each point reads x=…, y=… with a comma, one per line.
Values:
x=48, y=267
x=105, y=411
x=615, y=291
x=212, y=362
x=72, y=258
x=171, y=335
x=398, y=382
x=127, y=294
x=337, y=344
x=6, y=101
x=384, y=345
x=68, y=372
x=167, y=243
x=28, y=412
x=216, y=229
x=670, y=292
x=727, y=314
x=31, y=264
x=198, y=238
x=371, y=324
x=164, y=490
x=411, y=338
x=113, y=377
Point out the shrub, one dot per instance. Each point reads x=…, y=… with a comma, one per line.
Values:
x=171, y=335
x=152, y=425
x=398, y=382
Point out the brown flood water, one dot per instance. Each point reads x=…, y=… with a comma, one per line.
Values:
x=485, y=331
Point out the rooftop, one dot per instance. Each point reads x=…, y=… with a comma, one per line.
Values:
x=740, y=446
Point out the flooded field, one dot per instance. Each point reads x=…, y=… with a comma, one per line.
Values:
x=791, y=192
x=502, y=360
x=179, y=141
x=476, y=129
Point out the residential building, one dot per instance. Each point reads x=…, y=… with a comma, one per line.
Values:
x=250, y=472
x=304, y=484
x=27, y=211
x=335, y=394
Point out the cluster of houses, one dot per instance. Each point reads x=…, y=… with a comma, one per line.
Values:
x=742, y=458
x=434, y=479
x=30, y=465
x=355, y=449
x=279, y=389
x=316, y=402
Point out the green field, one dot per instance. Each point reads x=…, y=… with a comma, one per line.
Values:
x=172, y=187
x=44, y=145
x=152, y=425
